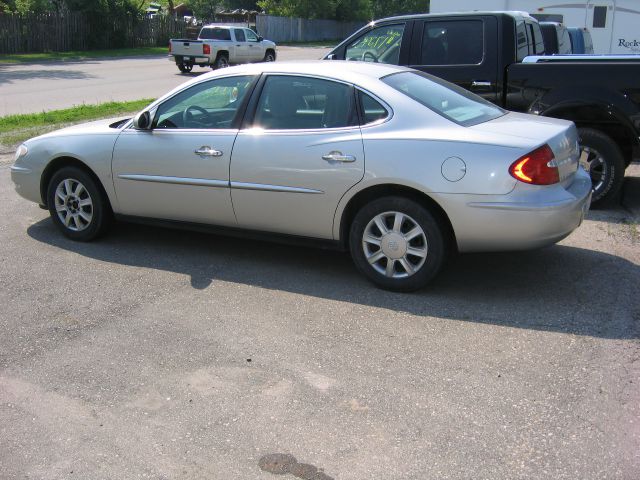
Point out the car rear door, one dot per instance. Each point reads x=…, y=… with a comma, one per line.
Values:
x=460, y=49
x=242, y=53
x=297, y=157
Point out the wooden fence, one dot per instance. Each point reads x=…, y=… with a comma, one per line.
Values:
x=284, y=29
x=75, y=31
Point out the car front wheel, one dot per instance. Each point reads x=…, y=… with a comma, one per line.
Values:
x=77, y=205
x=397, y=243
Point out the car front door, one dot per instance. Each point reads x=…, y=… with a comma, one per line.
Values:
x=179, y=169
x=298, y=156
x=256, y=48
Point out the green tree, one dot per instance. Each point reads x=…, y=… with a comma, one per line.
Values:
x=299, y=8
x=389, y=8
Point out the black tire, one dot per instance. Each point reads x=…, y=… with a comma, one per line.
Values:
x=431, y=242
x=185, y=67
x=269, y=56
x=603, y=159
x=222, y=61
x=98, y=210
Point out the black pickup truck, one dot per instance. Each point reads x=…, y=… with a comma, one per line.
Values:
x=500, y=56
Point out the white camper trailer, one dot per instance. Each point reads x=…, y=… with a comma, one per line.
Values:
x=613, y=23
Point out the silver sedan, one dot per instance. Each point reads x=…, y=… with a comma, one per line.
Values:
x=394, y=165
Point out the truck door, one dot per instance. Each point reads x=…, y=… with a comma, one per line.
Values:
x=241, y=46
x=462, y=50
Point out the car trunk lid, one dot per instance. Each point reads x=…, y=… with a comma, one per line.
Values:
x=560, y=135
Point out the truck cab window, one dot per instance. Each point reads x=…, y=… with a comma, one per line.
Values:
x=239, y=33
x=251, y=37
x=537, y=41
x=380, y=45
x=522, y=43
x=458, y=42
x=215, y=33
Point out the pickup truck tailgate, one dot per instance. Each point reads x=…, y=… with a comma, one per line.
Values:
x=186, y=47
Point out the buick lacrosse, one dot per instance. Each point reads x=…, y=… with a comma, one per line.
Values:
x=397, y=166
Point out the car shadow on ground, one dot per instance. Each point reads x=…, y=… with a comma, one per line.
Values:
x=21, y=75
x=559, y=289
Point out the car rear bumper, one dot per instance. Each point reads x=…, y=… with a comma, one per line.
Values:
x=189, y=58
x=527, y=218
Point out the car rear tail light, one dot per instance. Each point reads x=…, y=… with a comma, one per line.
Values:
x=169, y=47
x=537, y=168
x=206, y=49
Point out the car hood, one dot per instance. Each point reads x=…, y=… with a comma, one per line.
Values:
x=96, y=127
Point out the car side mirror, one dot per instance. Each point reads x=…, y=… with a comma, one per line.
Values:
x=142, y=121
x=331, y=56
x=260, y=38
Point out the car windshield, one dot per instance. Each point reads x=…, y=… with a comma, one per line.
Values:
x=444, y=98
x=215, y=34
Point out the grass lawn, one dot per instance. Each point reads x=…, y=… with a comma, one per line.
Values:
x=81, y=55
x=17, y=128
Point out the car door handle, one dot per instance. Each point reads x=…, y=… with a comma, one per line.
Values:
x=480, y=84
x=338, y=157
x=206, y=151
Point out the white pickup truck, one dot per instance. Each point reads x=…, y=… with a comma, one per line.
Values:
x=219, y=46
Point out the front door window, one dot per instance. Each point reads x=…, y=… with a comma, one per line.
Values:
x=380, y=45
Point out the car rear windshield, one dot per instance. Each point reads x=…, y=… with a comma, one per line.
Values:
x=444, y=98
x=215, y=34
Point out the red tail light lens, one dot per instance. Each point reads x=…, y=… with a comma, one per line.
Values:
x=206, y=49
x=169, y=47
x=537, y=168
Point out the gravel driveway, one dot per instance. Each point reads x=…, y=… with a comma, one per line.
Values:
x=167, y=354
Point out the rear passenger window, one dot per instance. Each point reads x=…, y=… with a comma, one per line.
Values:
x=372, y=110
x=458, y=42
x=299, y=103
x=381, y=45
x=239, y=35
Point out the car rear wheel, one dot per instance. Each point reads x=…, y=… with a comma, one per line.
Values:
x=77, y=205
x=222, y=61
x=601, y=157
x=397, y=243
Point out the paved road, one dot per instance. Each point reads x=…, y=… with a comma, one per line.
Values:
x=53, y=85
x=164, y=354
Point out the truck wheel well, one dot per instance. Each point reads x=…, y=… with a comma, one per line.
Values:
x=586, y=116
x=59, y=163
x=377, y=191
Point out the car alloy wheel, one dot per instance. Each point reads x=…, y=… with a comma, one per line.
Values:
x=73, y=205
x=398, y=243
x=77, y=204
x=395, y=245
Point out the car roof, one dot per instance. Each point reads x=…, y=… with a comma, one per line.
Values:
x=516, y=14
x=348, y=71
